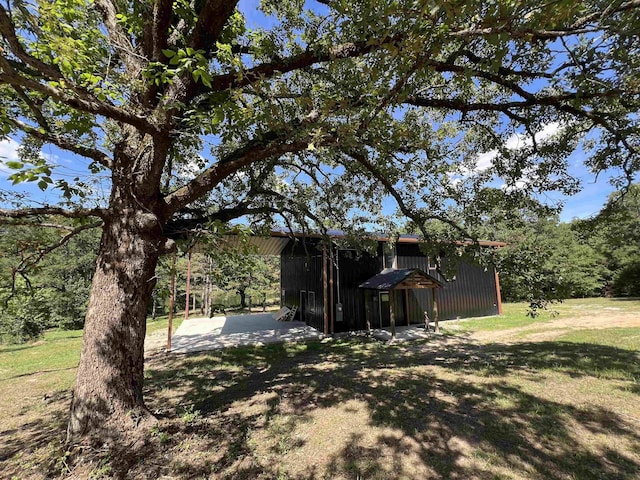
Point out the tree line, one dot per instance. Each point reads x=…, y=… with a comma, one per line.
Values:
x=552, y=260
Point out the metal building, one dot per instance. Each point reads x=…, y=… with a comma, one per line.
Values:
x=329, y=286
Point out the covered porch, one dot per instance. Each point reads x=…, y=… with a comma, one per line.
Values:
x=387, y=296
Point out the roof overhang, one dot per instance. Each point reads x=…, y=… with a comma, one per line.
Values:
x=401, y=279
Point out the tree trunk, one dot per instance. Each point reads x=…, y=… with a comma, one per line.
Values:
x=243, y=298
x=154, y=305
x=107, y=398
x=203, y=297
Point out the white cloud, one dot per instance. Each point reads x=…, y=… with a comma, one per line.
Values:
x=484, y=161
x=8, y=153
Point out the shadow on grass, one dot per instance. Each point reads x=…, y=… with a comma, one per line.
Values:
x=45, y=433
x=438, y=409
x=437, y=415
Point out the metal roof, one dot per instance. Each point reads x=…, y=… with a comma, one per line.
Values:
x=391, y=279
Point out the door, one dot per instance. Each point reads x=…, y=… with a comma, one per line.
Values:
x=385, y=316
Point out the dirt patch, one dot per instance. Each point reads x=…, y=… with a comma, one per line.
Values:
x=560, y=326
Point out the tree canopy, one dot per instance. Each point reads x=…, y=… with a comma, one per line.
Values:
x=313, y=117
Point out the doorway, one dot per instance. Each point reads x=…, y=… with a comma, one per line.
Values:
x=385, y=314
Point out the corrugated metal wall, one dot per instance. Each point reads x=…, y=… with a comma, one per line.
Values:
x=301, y=271
x=354, y=269
x=471, y=294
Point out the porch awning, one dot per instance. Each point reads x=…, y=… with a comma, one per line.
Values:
x=399, y=279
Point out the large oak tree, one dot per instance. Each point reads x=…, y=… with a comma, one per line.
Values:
x=314, y=117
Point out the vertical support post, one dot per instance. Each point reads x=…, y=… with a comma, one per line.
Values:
x=172, y=299
x=332, y=316
x=435, y=310
x=367, y=309
x=406, y=306
x=187, y=297
x=498, y=293
x=325, y=296
x=392, y=316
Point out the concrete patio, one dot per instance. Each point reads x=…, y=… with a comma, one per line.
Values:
x=201, y=334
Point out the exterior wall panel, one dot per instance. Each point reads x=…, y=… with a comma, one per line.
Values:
x=300, y=273
x=471, y=294
x=354, y=269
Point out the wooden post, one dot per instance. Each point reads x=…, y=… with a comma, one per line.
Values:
x=332, y=315
x=325, y=296
x=406, y=306
x=172, y=299
x=367, y=309
x=392, y=316
x=187, y=298
x=498, y=293
x=435, y=310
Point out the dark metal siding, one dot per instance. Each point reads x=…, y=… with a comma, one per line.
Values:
x=301, y=270
x=354, y=269
x=471, y=294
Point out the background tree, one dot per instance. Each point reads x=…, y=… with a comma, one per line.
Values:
x=545, y=261
x=244, y=274
x=38, y=289
x=313, y=118
x=615, y=234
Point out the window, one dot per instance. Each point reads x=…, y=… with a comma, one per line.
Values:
x=389, y=255
x=312, y=301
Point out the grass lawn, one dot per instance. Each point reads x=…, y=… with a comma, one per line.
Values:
x=550, y=398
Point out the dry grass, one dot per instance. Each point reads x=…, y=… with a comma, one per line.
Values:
x=456, y=406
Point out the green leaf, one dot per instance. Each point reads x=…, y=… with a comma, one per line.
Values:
x=168, y=53
x=14, y=165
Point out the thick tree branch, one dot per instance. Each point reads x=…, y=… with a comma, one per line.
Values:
x=81, y=100
x=38, y=211
x=273, y=144
x=8, y=32
x=162, y=21
x=179, y=227
x=211, y=20
x=88, y=105
x=65, y=143
x=297, y=62
x=29, y=223
x=119, y=37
